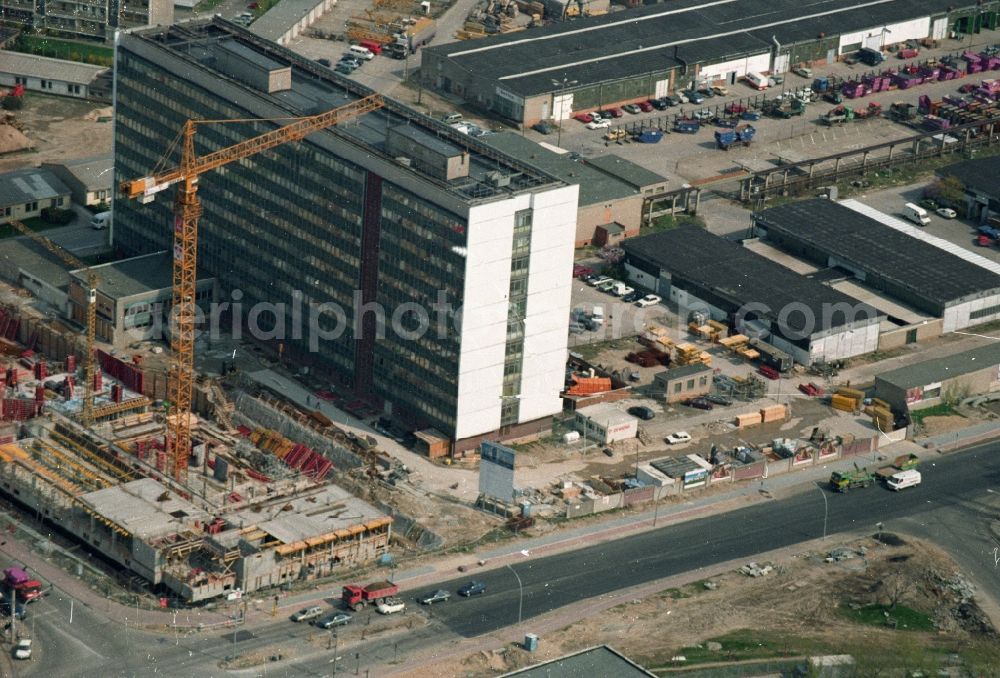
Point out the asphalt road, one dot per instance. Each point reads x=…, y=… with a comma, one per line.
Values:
x=956, y=503
x=953, y=483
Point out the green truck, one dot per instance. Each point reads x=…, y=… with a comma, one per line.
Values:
x=842, y=481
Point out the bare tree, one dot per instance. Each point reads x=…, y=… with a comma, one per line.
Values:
x=895, y=587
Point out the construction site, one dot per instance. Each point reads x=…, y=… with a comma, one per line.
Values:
x=249, y=508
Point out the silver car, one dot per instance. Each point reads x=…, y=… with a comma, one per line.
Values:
x=438, y=596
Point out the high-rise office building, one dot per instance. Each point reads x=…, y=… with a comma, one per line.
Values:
x=466, y=252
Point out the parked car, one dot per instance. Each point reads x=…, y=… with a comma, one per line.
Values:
x=606, y=285
x=599, y=124
x=584, y=117
x=344, y=68
x=643, y=413
x=323, y=62
x=543, y=127
x=307, y=613
x=390, y=606
x=582, y=272
x=704, y=114
x=438, y=596
x=631, y=108
x=678, y=438
x=351, y=61
x=681, y=97
x=946, y=212
x=634, y=296
x=23, y=649
x=671, y=100
x=693, y=97
x=645, y=106
x=717, y=399
x=473, y=588
x=594, y=282
x=331, y=620
x=803, y=72
x=659, y=104
x=699, y=403
x=720, y=91
x=648, y=300
x=613, y=112
x=706, y=92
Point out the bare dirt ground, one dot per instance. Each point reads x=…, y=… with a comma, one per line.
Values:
x=803, y=607
x=60, y=129
x=933, y=426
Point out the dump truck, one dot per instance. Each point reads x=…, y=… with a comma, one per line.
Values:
x=356, y=597
x=842, y=481
x=904, y=462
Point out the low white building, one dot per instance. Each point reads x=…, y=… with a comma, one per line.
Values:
x=52, y=76
x=604, y=423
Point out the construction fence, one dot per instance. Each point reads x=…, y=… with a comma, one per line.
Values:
x=726, y=473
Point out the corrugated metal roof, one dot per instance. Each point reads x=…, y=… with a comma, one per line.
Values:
x=282, y=16
x=940, y=369
x=745, y=279
x=931, y=269
x=626, y=170
x=643, y=40
x=34, y=66
x=94, y=173
x=28, y=185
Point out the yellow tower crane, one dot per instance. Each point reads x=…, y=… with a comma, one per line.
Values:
x=87, y=416
x=187, y=210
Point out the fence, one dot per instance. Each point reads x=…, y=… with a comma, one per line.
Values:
x=585, y=506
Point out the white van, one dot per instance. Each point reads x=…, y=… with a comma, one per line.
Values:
x=361, y=52
x=597, y=315
x=916, y=214
x=757, y=80
x=903, y=479
x=101, y=220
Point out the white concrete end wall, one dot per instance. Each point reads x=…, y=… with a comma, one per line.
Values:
x=550, y=285
x=484, y=315
x=758, y=63
x=958, y=317
x=914, y=29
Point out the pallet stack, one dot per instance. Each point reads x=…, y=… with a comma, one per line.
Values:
x=881, y=414
x=689, y=354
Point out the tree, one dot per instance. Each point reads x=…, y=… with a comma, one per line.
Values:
x=947, y=190
x=895, y=587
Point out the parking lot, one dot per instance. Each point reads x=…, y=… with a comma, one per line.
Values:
x=683, y=158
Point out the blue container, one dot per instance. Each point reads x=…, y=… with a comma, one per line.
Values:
x=530, y=642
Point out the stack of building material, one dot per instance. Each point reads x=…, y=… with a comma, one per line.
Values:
x=748, y=419
x=773, y=413
x=689, y=354
x=583, y=386
x=719, y=330
x=127, y=373
x=700, y=331
x=881, y=416
x=844, y=403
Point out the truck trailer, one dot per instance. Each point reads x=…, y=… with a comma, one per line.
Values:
x=356, y=597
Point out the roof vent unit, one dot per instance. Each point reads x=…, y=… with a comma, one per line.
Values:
x=404, y=161
x=240, y=62
x=497, y=179
x=428, y=153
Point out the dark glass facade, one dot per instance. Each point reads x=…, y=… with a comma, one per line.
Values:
x=294, y=219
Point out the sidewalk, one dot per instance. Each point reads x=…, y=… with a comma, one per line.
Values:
x=492, y=557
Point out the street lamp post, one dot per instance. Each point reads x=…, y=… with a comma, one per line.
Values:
x=561, y=86
x=520, y=593
x=825, y=509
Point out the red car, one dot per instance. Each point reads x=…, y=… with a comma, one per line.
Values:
x=253, y=5
x=579, y=270
x=735, y=109
x=645, y=106
x=583, y=117
x=612, y=112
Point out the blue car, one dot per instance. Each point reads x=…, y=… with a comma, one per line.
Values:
x=473, y=588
